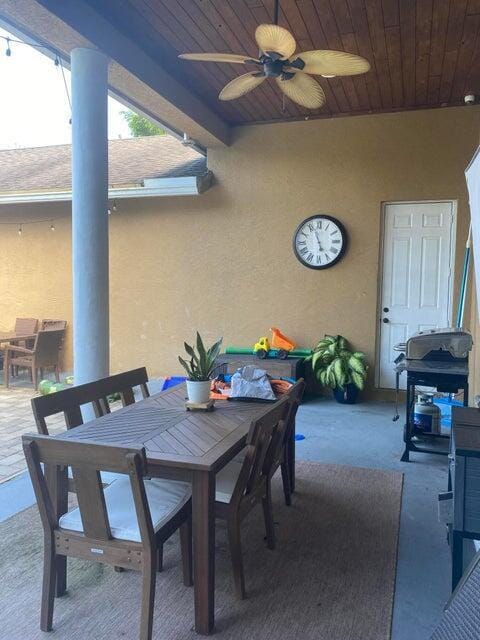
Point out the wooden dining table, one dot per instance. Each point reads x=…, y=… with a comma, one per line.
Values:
x=184, y=445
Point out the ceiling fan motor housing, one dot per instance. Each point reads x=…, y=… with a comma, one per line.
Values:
x=272, y=68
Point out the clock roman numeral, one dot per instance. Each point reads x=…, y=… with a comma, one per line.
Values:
x=310, y=257
x=334, y=249
x=302, y=243
x=334, y=232
x=303, y=251
x=336, y=241
x=311, y=227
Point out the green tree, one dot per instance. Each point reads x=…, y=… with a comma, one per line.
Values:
x=140, y=126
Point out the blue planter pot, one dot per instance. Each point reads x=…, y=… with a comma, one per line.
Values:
x=347, y=394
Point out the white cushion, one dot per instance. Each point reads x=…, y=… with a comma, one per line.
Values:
x=165, y=497
x=226, y=479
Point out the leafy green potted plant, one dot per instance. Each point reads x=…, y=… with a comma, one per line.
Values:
x=200, y=369
x=334, y=365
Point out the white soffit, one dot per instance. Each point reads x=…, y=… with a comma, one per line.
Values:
x=151, y=188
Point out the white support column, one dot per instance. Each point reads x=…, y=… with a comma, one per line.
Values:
x=89, y=215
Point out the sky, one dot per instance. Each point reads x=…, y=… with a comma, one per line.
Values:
x=34, y=109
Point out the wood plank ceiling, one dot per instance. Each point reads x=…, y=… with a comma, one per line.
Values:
x=423, y=53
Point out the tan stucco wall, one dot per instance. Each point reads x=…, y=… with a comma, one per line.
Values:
x=223, y=262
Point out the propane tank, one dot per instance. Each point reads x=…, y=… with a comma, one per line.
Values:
x=426, y=416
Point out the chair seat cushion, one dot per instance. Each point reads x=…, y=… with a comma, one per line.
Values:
x=165, y=498
x=226, y=479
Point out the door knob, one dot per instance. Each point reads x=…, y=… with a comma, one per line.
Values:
x=385, y=320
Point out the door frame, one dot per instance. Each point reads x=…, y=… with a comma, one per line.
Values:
x=451, y=283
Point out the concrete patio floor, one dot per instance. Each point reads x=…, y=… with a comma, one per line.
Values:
x=361, y=435
x=364, y=435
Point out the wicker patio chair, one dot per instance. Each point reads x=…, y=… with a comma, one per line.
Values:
x=25, y=326
x=43, y=355
x=461, y=619
x=52, y=325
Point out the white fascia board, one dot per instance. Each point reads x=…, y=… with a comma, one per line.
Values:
x=152, y=188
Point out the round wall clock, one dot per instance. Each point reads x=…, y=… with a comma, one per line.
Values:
x=320, y=241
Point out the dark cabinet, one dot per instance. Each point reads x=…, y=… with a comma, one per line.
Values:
x=465, y=481
x=289, y=368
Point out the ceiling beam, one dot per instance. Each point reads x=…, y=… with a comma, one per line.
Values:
x=135, y=75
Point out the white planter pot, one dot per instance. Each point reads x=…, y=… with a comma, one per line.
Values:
x=198, y=392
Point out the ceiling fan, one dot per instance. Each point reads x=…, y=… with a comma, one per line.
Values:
x=291, y=71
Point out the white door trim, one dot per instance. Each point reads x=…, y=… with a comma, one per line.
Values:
x=453, y=237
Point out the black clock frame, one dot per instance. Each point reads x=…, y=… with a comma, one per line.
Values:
x=342, y=251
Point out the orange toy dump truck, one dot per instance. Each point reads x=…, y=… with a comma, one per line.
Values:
x=279, y=346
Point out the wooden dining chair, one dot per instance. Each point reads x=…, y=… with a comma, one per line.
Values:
x=119, y=525
x=278, y=454
x=96, y=394
x=43, y=355
x=242, y=484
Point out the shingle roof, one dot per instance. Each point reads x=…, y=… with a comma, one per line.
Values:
x=130, y=161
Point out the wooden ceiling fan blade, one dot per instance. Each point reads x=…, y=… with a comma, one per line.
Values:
x=240, y=86
x=232, y=58
x=331, y=63
x=303, y=90
x=272, y=38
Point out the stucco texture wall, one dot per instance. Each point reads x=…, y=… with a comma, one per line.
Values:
x=223, y=263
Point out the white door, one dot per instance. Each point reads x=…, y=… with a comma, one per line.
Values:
x=417, y=276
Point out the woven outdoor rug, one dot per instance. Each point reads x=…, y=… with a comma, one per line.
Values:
x=331, y=577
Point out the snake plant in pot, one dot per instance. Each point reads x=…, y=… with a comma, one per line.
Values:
x=336, y=366
x=200, y=368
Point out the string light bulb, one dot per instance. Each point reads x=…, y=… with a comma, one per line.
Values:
x=20, y=230
x=52, y=227
x=40, y=47
x=114, y=208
